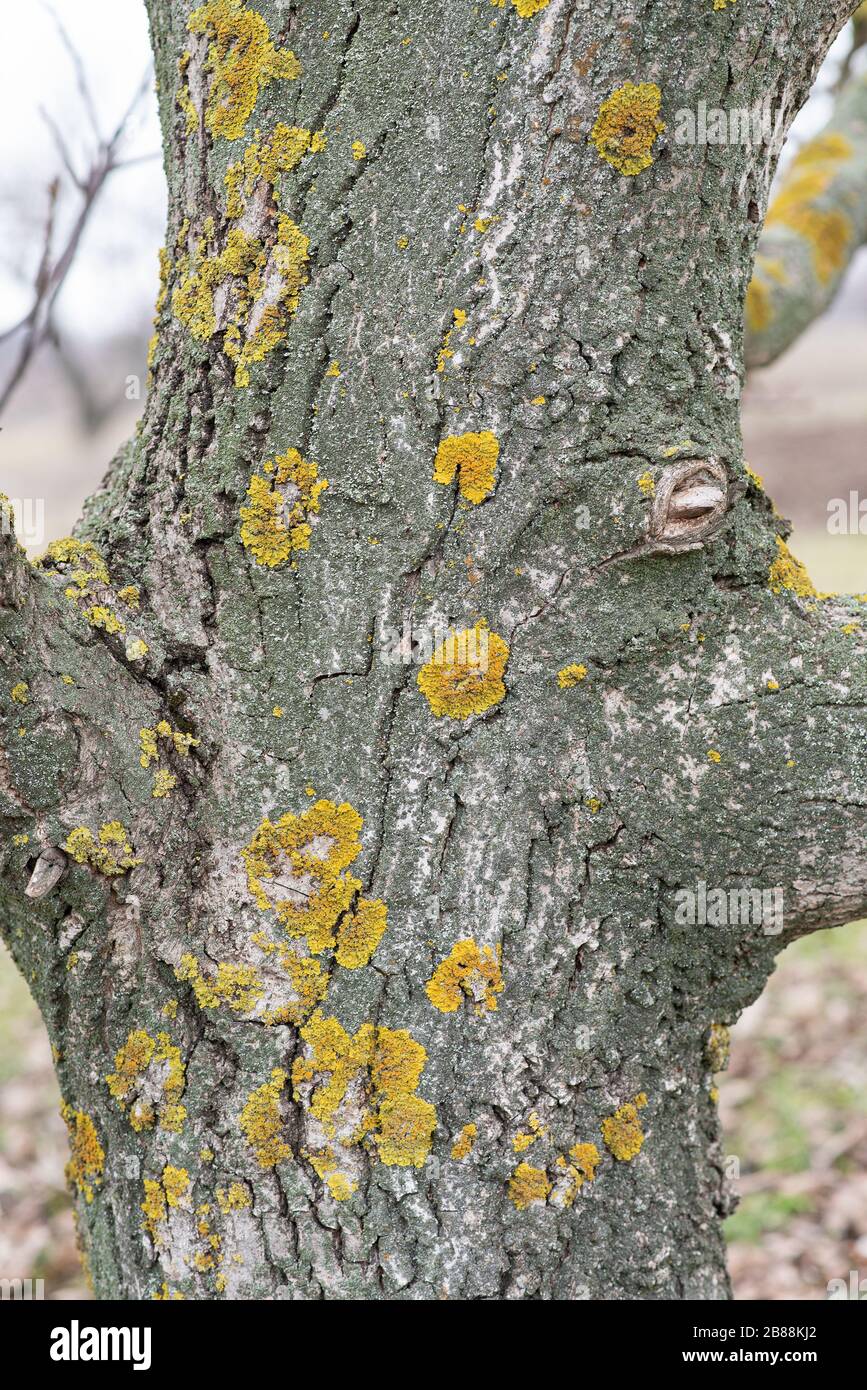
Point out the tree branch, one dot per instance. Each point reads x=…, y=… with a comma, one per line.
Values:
x=814, y=226
x=52, y=273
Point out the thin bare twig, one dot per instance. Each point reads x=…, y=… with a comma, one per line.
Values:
x=43, y=273
x=78, y=68
x=65, y=156
x=36, y=325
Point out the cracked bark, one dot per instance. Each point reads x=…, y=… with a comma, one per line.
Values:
x=558, y=825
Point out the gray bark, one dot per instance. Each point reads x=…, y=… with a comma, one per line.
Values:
x=716, y=735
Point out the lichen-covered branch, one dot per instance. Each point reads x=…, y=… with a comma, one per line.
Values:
x=814, y=225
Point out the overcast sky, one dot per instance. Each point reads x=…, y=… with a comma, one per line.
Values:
x=113, y=284
x=115, y=277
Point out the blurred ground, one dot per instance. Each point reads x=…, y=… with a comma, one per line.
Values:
x=792, y=1106
x=37, y=1237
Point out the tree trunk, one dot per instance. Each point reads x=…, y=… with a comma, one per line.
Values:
x=498, y=310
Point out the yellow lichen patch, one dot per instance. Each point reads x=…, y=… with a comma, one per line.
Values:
x=302, y=860
x=279, y=154
x=149, y=1081
x=111, y=854
x=235, y=1197
x=773, y=269
x=526, y=8
x=176, y=1182
x=829, y=145
x=788, y=573
x=340, y=1187
x=87, y=1156
x=88, y=583
x=130, y=594
x=758, y=308
x=154, y=1208
x=208, y=1257
x=280, y=502
x=447, y=352
x=99, y=615
x=165, y=262
x=474, y=458
x=627, y=127
x=646, y=484
x=443, y=356
x=586, y=1158
x=79, y=560
x=525, y=1137
x=622, y=1131
x=20, y=693
x=150, y=741
x=465, y=674
x=162, y=1195
x=674, y=449
x=203, y=271
x=717, y=1047
x=309, y=982
x=249, y=290
x=382, y=1065
x=237, y=986
x=360, y=932
x=262, y=1123
x=241, y=61
x=465, y=1142
x=467, y=972
x=527, y=1185
x=406, y=1126
x=571, y=675
x=827, y=230
x=164, y=782
x=570, y=1174
x=332, y=1060
x=359, y=149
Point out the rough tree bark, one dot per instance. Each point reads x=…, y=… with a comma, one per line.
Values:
x=494, y=239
